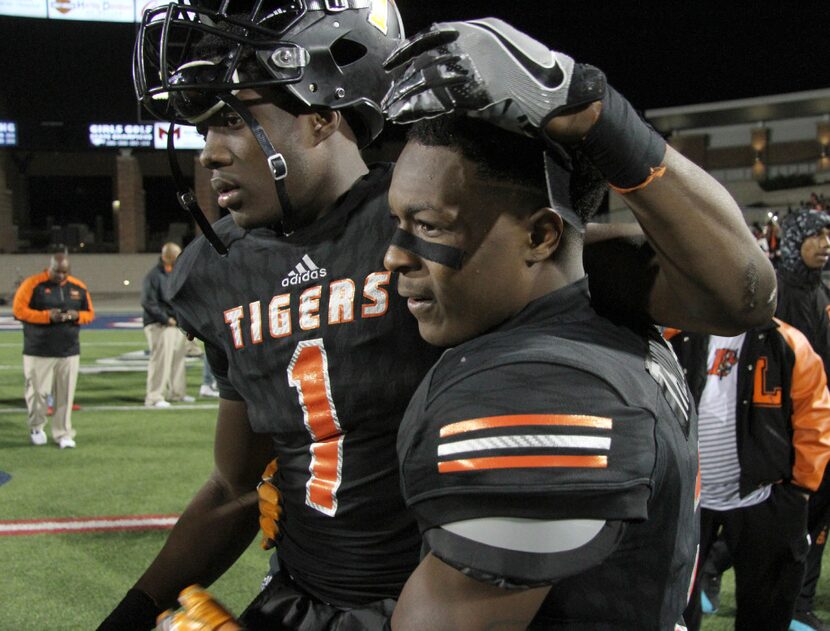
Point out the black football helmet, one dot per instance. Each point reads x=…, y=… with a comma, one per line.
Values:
x=190, y=61
x=325, y=53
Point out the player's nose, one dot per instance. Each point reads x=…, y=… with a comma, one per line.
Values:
x=400, y=260
x=214, y=154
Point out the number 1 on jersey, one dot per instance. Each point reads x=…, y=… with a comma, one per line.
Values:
x=308, y=372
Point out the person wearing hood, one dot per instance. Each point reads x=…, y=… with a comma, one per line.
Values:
x=804, y=302
x=802, y=297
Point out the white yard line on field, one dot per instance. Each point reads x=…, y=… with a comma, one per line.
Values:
x=126, y=408
x=133, y=343
x=87, y=524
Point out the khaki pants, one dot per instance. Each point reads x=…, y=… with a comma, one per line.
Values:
x=42, y=374
x=165, y=371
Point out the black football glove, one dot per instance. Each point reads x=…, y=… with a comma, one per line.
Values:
x=489, y=70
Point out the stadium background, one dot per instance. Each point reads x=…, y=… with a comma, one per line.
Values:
x=60, y=76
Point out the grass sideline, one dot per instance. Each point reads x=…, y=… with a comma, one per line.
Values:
x=127, y=463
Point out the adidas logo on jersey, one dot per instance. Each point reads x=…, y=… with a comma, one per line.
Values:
x=303, y=272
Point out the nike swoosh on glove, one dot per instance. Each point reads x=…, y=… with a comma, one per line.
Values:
x=489, y=70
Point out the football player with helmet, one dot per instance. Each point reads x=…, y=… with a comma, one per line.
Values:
x=315, y=354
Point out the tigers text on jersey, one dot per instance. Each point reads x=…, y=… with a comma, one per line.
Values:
x=560, y=417
x=309, y=330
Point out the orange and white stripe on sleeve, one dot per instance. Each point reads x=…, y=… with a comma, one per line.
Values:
x=509, y=445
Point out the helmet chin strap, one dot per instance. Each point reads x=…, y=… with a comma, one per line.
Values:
x=276, y=164
x=276, y=161
x=187, y=198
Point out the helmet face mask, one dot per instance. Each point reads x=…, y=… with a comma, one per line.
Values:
x=325, y=53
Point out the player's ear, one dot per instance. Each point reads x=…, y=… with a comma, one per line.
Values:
x=545, y=227
x=323, y=124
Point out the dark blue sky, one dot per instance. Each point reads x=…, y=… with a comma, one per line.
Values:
x=673, y=52
x=657, y=53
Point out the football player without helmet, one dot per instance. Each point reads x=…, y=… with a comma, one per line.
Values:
x=522, y=450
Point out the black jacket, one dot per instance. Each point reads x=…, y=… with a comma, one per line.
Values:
x=154, y=296
x=783, y=407
x=34, y=299
x=804, y=304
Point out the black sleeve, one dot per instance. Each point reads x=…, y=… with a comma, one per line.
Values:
x=84, y=299
x=621, y=274
x=511, y=568
x=219, y=367
x=216, y=358
x=822, y=335
x=488, y=446
x=150, y=299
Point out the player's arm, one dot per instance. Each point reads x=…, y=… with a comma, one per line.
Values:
x=711, y=275
x=501, y=536
x=439, y=597
x=685, y=214
x=215, y=528
x=600, y=232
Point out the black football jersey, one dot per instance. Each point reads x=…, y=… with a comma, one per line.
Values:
x=309, y=330
x=561, y=415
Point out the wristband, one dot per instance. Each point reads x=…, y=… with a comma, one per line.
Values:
x=625, y=149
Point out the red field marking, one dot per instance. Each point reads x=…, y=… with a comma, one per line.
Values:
x=86, y=524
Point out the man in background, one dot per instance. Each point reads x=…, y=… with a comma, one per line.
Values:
x=52, y=305
x=804, y=302
x=168, y=345
x=764, y=419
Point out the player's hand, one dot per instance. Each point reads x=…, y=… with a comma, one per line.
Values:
x=489, y=70
x=269, y=507
x=73, y=315
x=199, y=612
x=55, y=315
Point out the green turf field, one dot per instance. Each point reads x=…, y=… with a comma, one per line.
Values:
x=128, y=462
